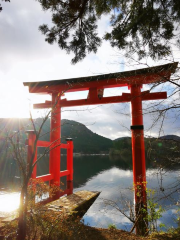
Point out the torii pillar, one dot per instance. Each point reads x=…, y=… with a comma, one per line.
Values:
x=55, y=134
x=139, y=163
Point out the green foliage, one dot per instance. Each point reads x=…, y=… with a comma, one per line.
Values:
x=122, y=149
x=112, y=226
x=114, y=152
x=74, y=26
x=161, y=152
x=145, y=27
x=122, y=143
x=154, y=211
x=172, y=233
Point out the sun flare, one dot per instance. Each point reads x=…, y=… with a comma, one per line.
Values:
x=9, y=201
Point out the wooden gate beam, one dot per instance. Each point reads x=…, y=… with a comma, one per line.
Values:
x=126, y=97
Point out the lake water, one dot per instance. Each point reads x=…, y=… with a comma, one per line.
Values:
x=113, y=178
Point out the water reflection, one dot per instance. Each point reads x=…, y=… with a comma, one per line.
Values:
x=86, y=167
x=113, y=178
x=116, y=184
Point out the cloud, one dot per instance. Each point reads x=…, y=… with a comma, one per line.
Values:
x=25, y=56
x=104, y=120
x=118, y=188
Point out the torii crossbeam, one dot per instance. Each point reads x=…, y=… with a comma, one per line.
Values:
x=134, y=80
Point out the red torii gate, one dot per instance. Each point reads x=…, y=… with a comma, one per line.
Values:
x=96, y=85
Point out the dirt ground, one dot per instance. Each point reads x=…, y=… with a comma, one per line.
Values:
x=108, y=234
x=90, y=233
x=74, y=230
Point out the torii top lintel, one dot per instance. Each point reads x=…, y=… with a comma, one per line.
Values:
x=141, y=76
x=96, y=85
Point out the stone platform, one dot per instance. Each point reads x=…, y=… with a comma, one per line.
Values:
x=75, y=204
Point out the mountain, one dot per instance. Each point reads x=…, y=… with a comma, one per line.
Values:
x=170, y=137
x=159, y=152
x=121, y=147
x=85, y=141
x=163, y=151
x=120, y=138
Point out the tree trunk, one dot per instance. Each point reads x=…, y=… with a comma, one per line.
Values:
x=21, y=232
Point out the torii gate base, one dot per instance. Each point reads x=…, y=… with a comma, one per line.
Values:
x=96, y=85
x=54, y=176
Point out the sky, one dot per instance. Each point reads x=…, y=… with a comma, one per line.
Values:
x=26, y=57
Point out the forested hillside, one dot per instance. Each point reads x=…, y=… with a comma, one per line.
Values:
x=85, y=141
x=163, y=151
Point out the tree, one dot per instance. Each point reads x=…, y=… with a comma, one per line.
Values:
x=146, y=27
x=141, y=28
x=26, y=167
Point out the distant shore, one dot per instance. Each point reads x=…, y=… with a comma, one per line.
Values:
x=88, y=154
